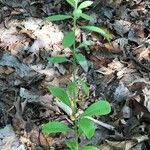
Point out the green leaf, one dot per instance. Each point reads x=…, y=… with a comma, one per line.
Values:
x=86, y=43
x=58, y=59
x=68, y=39
x=86, y=17
x=80, y=131
x=77, y=13
x=104, y=33
x=71, y=2
x=71, y=88
x=101, y=107
x=89, y=148
x=87, y=126
x=55, y=127
x=84, y=87
x=58, y=17
x=82, y=61
x=61, y=94
x=85, y=4
x=72, y=144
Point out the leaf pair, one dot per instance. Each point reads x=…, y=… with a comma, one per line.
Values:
x=84, y=4
x=77, y=13
x=86, y=125
x=57, y=127
x=69, y=38
x=72, y=144
x=99, y=108
x=68, y=41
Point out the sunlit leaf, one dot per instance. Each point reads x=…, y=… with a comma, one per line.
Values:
x=68, y=39
x=58, y=59
x=85, y=4
x=82, y=61
x=87, y=126
x=72, y=144
x=86, y=17
x=100, y=107
x=89, y=148
x=58, y=17
x=61, y=94
x=71, y=2
x=104, y=33
x=55, y=127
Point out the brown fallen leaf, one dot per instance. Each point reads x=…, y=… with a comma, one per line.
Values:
x=140, y=110
x=46, y=141
x=116, y=46
x=127, y=144
x=6, y=70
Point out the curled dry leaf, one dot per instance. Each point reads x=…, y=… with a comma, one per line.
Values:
x=143, y=53
x=139, y=110
x=116, y=46
x=115, y=65
x=121, y=93
x=11, y=61
x=146, y=93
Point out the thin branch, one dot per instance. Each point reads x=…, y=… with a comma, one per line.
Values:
x=107, y=126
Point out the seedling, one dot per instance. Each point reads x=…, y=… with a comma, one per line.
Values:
x=68, y=98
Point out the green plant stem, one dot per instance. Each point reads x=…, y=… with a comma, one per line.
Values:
x=74, y=65
x=75, y=81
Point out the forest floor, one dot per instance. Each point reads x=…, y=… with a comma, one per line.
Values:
x=119, y=72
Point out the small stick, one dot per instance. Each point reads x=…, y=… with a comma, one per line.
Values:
x=107, y=126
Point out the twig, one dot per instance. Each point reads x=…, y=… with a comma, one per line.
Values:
x=107, y=126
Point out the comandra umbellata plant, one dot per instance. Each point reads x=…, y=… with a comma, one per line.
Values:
x=82, y=122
